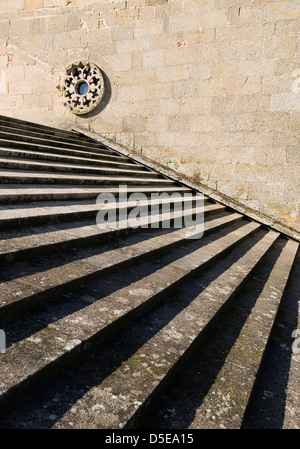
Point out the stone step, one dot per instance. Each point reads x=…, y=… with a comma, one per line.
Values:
x=10, y=132
x=143, y=375
x=75, y=156
x=47, y=350
x=25, y=164
x=105, y=155
x=13, y=217
x=10, y=194
x=28, y=246
x=52, y=146
x=30, y=289
x=274, y=400
x=229, y=395
x=32, y=177
x=23, y=124
x=83, y=156
x=37, y=155
x=19, y=139
x=145, y=295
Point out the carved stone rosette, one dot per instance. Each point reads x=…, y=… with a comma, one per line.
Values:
x=83, y=87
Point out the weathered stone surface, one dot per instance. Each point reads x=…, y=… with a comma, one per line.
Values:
x=230, y=400
x=145, y=297
x=228, y=62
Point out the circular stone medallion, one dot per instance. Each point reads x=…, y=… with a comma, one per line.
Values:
x=83, y=87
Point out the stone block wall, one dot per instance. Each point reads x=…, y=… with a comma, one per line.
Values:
x=207, y=88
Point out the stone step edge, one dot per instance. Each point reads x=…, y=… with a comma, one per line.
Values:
x=93, y=271
x=68, y=239
x=11, y=132
x=21, y=122
x=75, y=160
x=31, y=177
x=17, y=140
x=35, y=146
x=45, y=214
x=78, y=346
x=213, y=310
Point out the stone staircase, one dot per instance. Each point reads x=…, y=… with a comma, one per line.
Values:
x=134, y=327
